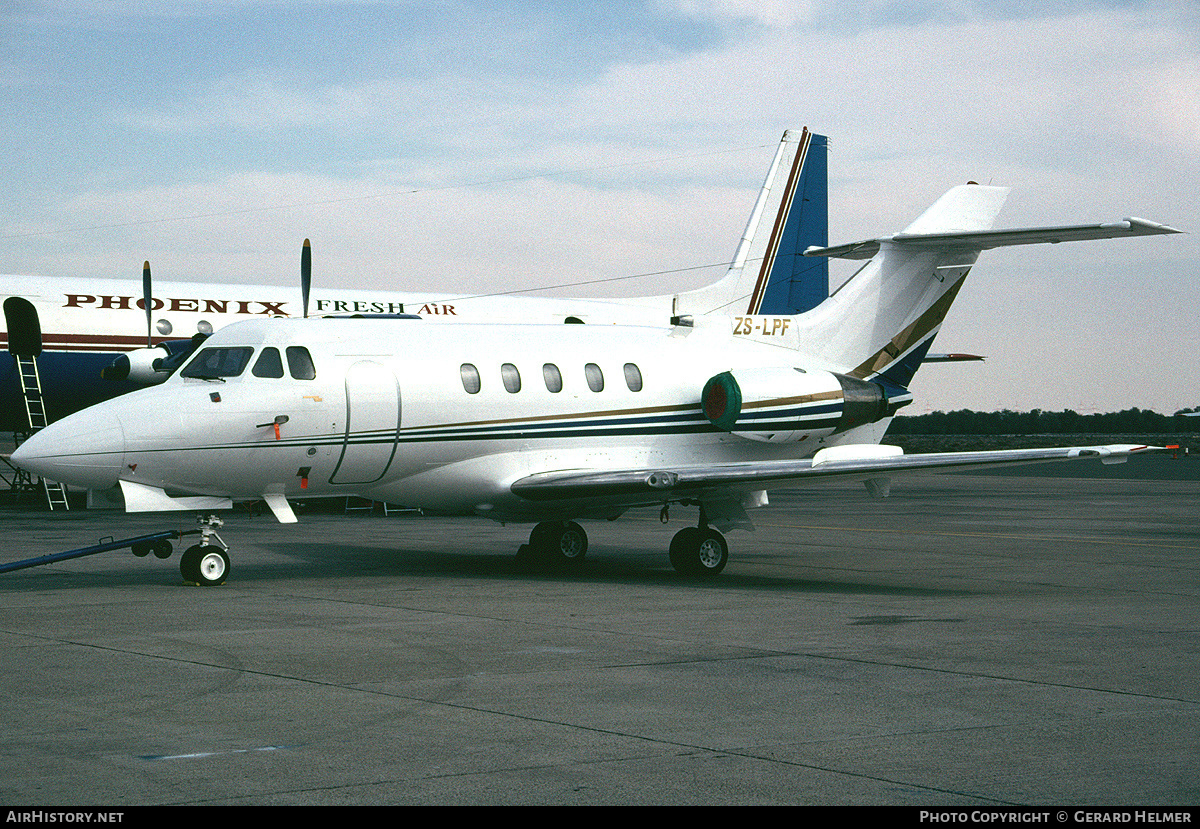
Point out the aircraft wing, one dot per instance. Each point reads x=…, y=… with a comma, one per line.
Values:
x=988, y=239
x=840, y=463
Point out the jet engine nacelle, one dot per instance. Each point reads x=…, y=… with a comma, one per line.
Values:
x=152, y=365
x=138, y=366
x=785, y=405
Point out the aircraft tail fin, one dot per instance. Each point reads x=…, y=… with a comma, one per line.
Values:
x=769, y=274
x=880, y=324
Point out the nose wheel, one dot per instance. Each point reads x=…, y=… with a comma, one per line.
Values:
x=206, y=563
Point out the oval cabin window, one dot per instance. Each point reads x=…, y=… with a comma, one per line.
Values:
x=511, y=378
x=633, y=377
x=553, y=378
x=470, y=378
x=595, y=377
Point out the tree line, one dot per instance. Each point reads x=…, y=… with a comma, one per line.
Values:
x=1038, y=422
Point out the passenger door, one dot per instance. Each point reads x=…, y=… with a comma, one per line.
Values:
x=372, y=418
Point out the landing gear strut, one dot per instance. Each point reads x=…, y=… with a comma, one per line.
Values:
x=206, y=563
x=556, y=542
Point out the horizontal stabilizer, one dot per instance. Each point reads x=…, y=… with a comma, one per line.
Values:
x=952, y=358
x=987, y=239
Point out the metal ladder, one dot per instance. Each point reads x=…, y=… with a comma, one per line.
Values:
x=35, y=410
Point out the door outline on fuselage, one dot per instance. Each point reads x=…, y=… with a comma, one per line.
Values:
x=372, y=417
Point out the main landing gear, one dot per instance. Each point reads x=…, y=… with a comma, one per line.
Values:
x=555, y=542
x=699, y=551
x=695, y=551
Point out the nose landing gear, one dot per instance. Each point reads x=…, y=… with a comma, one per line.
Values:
x=206, y=564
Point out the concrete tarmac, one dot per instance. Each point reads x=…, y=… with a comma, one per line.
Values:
x=971, y=641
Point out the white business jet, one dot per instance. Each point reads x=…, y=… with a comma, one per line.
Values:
x=136, y=334
x=549, y=424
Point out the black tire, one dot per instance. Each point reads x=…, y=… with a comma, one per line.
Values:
x=558, y=542
x=142, y=549
x=162, y=548
x=541, y=539
x=699, y=551
x=682, y=547
x=205, y=565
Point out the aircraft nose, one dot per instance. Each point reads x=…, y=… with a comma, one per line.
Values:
x=86, y=449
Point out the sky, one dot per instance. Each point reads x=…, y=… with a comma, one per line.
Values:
x=617, y=149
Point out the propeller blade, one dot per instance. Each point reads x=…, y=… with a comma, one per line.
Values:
x=305, y=275
x=148, y=300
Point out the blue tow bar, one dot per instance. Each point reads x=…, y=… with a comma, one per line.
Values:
x=91, y=551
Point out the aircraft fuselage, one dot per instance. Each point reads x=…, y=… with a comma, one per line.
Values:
x=443, y=417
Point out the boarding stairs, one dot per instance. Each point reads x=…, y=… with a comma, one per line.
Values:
x=35, y=411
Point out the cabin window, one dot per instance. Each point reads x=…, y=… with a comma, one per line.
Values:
x=553, y=378
x=214, y=363
x=595, y=377
x=511, y=378
x=268, y=364
x=470, y=378
x=633, y=377
x=300, y=364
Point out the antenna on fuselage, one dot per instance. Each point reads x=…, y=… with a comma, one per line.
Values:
x=305, y=275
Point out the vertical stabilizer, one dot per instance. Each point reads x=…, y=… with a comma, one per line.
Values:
x=788, y=282
x=769, y=273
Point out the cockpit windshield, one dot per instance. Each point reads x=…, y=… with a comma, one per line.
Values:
x=217, y=363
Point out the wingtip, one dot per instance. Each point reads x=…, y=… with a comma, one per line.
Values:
x=1147, y=226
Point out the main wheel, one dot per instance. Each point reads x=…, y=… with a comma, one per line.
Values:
x=713, y=554
x=569, y=545
x=558, y=542
x=206, y=565
x=699, y=551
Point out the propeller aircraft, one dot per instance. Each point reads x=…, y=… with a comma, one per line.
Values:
x=95, y=339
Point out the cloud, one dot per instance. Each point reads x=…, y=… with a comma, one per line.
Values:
x=771, y=13
x=254, y=103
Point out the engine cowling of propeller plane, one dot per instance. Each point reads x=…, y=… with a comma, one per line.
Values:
x=153, y=364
